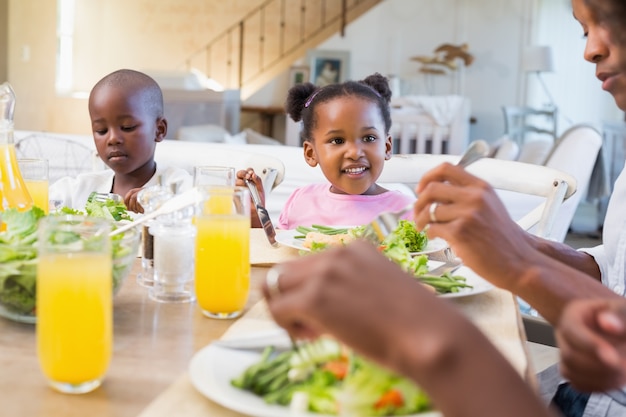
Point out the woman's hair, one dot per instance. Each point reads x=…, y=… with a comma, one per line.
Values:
x=613, y=13
x=303, y=98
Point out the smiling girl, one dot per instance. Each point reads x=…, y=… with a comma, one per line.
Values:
x=345, y=130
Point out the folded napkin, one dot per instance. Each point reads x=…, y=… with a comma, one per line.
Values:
x=264, y=254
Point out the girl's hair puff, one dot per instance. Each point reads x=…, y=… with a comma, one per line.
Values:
x=302, y=99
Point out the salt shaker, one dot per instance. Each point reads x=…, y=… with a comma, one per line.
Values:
x=174, y=248
x=150, y=199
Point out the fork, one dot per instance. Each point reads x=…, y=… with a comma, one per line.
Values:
x=449, y=266
x=386, y=222
x=102, y=197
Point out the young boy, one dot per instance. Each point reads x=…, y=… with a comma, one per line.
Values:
x=126, y=111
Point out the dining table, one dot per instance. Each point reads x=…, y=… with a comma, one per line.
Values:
x=154, y=343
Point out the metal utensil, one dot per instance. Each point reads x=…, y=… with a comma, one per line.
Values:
x=279, y=338
x=447, y=267
x=386, y=222
x=264, y=216
x=178, y=202
x=102, y=197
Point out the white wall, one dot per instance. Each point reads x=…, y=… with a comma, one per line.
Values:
x=384, y=40
x=497, y=31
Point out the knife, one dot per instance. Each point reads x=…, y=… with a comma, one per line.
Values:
x=264, y=216
x=258, y=340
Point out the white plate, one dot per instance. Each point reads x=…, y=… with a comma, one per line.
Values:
x=287, y=238
x=212, y=368
x=479, y=285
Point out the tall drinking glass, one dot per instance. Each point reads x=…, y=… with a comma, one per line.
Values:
x=222, y=273
x=35, y=174
x=74, y=302
x=213, y=175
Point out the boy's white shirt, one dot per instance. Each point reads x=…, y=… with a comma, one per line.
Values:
x=74, y=191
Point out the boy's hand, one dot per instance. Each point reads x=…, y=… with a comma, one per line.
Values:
x=130, y=199
x=249, y=174
x=591, y=335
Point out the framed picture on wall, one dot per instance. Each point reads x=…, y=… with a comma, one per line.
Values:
x=328, y=67
x=298, y=75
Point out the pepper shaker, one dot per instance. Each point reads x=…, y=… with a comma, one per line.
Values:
x=150, y=199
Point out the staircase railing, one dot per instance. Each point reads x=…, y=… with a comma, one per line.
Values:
x=265, y=36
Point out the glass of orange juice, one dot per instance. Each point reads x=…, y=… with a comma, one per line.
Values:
x=35, y=174
x=74, y=302
x=222, y=271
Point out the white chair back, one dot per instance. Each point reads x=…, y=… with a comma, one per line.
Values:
x=554, y=186
x=575, y=152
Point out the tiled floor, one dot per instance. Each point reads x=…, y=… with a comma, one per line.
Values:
x=543, y=356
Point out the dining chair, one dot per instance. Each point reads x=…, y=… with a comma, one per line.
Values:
x=554, y=186
x=66, y=156
x=522, y=121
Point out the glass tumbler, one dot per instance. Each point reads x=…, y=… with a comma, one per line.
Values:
x=213, y=175
x=74, y=302
x=222, y=273
x=35, y=174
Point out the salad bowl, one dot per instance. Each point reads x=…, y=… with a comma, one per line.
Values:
x=18, y=267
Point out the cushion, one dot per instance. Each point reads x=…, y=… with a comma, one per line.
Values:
x=535, y=151
x=254, y=137
x=203, y=133
x=506, y=149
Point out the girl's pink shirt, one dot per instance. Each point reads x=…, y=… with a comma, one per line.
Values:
x=315, y=204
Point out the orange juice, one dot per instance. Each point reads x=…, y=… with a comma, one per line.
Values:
x=38, y=190
x=74, y=316
x=222, y=275
x=219, y=201
x=13, y=191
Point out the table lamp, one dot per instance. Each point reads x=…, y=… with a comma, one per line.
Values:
x=538, y=59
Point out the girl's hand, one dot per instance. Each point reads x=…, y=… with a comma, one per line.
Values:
x=591, y=335
x=249, y=174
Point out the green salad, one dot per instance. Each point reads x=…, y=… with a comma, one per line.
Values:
x=18, y=252
x=399, y=247
x=321, y=377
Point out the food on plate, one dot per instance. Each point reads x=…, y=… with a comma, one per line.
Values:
x=324, y=377
x=406, y=232
x=398, y=247
x=18, y=253
x=319, y=239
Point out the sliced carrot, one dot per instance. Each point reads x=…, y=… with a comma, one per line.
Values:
x=393, y=397
x=338, y=368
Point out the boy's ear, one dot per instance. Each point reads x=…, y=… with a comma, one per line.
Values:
x=388, y=147
x=309, y=153
x=161, y=129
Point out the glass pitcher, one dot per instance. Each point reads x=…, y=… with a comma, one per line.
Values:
x=13, y=192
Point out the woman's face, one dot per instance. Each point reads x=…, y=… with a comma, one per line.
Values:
x=602, y=49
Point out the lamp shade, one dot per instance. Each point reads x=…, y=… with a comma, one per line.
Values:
x=538, y=59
